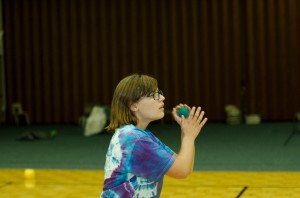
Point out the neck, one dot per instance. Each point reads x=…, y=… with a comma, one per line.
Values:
x=142, y=126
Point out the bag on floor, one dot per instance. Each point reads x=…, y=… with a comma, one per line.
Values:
x=96, y=121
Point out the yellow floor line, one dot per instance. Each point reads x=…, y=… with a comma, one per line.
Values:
x=16, y=183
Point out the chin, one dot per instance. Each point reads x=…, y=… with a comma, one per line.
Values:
x=162, y=115
x=159, y=116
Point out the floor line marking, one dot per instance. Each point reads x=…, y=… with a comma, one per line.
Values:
x=240, y=194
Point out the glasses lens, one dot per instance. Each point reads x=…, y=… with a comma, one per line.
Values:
x=156, y=95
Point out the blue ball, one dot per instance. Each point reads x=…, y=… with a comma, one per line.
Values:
x=183, y=111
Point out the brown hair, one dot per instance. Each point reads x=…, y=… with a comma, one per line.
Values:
x=129, y=90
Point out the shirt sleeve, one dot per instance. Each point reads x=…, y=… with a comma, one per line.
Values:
x=165, y=146
x=150, y=160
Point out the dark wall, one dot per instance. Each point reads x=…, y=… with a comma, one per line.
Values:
x=63, y=54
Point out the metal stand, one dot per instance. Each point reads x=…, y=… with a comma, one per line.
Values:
x=296, y=131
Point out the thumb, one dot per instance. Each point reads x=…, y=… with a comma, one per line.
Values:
x=182, y=119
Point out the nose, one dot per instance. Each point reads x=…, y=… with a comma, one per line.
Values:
x=162, y=98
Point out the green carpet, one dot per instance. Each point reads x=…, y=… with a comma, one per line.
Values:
x=219, y=147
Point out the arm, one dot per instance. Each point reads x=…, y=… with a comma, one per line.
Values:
x=190, y=128
x=192, y=165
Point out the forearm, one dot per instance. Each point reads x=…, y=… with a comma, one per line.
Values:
x=193, y=161
x=183, y=164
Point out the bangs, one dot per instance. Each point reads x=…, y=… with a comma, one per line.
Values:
x=139, y=86
x=146, y=86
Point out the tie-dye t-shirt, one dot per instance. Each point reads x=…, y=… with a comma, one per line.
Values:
x=136, y=162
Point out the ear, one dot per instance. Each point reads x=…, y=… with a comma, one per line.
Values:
x=134, y=107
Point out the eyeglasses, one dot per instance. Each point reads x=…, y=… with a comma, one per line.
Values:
x=156, y=95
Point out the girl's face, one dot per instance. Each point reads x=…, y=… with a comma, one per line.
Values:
x=149, y=108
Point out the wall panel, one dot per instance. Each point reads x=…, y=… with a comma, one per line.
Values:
x=61, y=55
x=272, y=66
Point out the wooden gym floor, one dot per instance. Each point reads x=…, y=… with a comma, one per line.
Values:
x=246, y=161
x=88, y=184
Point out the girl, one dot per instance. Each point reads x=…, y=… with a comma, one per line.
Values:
x=136, y=161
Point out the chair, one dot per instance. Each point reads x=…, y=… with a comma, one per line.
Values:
x=20, y=116
x=234, y=115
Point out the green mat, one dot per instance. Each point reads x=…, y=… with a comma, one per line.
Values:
x=220, y=147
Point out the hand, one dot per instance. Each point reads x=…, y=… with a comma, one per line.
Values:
x=176, y=117
x=192, y=125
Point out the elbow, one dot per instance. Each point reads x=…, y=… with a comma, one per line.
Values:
x=180, y=169
x=179, y=174
x=183, y=174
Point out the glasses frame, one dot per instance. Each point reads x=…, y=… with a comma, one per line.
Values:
x=156, y=94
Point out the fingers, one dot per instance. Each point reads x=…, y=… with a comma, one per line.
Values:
x=198, y=115
x=195, y=113
x=202, y=123
x=182, y=105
